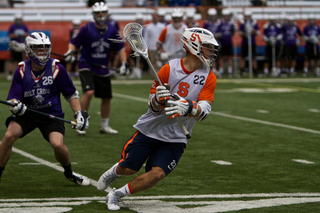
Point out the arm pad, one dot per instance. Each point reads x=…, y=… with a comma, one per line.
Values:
x=205, y=110
x=75, y=95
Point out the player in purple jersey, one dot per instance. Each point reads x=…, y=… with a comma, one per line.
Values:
x=37, y=84
x=96, y=47
x=71, y=67
x=17, y=32
x=311, y=35
x=224, y=33
x=272, y=35
x=291, y=38
x=248, y=27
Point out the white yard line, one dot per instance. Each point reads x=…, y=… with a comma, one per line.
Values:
x=303, y=161
x=231, y=116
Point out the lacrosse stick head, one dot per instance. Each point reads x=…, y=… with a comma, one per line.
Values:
x=133, y=34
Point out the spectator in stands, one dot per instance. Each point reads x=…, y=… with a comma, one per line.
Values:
x=249, y=29
x=72, y=67
x=291, y=38
x=311, y=35
x=151, y=34
x=169, y=45
x=161, y=17
x=272, y=35
x=17, y=32
x=212, y=24
x=224, y=34
x=190, y=20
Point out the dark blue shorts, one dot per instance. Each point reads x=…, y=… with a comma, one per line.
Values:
x=140, y=148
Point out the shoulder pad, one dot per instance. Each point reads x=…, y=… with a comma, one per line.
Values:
x=55, y=68
x=21, y=69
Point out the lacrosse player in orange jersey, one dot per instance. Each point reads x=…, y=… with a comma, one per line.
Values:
x=168, y=45
x=159, y=140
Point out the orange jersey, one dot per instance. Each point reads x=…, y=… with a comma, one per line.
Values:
x=197, y=85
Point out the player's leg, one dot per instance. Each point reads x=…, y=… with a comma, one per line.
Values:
x=53, y=131
x=103, y=90
x=17, y=127
x=13, y=132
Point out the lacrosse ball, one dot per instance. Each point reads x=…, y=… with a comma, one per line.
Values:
x=135, y=42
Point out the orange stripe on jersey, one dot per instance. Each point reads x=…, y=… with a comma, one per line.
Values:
x=163, y=75
x=123, y=154
x=163, y=34
x=207, y=92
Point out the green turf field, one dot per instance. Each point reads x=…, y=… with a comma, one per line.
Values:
x=258, y=151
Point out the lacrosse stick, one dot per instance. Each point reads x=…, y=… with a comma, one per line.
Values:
x=42, y=113
x=90, y=63
x=133, y=34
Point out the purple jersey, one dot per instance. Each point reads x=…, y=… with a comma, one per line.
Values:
x=272, y=30
x=310, y=31
x=19, y=31
x=96, y=46
x=248, y=23
x=290, y=34
x=227, y=30
x=41, y=93
x=212, y=26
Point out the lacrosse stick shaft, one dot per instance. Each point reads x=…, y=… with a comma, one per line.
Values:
x=315, y=50
x=90, y=63
x=42, y=113
x=186, y=132
x=250, y=54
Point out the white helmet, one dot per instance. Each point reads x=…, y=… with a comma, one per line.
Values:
x=176, y=15
x=190, y=14
x=290, y=17
x=283, y=16
x=202, y=44
x=161, y=13
x=38, y=41
x=139, y=16
x=98, y=8
x=76, y=21
x=311, y=16
x=212, y=12
x=226, y=12
x=272, y=17
x=247, y=13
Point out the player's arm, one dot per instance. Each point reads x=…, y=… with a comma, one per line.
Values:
x=159, y=95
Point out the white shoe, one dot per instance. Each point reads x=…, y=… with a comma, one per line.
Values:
x=108, y=178
x=81, y=132
x=80, y=180
x=113, y=199
x=108, y=130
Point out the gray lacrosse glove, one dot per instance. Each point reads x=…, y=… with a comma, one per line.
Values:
x=272, y=40
x=314, y=39
x=18, y=109
x=82, y=120
x=162, y=95
x=69, y=56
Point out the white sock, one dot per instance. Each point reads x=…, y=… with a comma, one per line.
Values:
x=266, y=71
x=104, y=121
x=125, y=190
x=278, y=71
x=230, y=70
x=292, y=70
x=305, y=69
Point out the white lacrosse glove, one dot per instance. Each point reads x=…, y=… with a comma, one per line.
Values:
x=298, y=41
x=164, y=56
x=124, y=69
x=18, y=109
x=272, y=40
x=69, y=56
x=82, y=120
x=16, y=46
x=181, y=107
x=162, y=94
x=249, y=29
x=314, y=39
